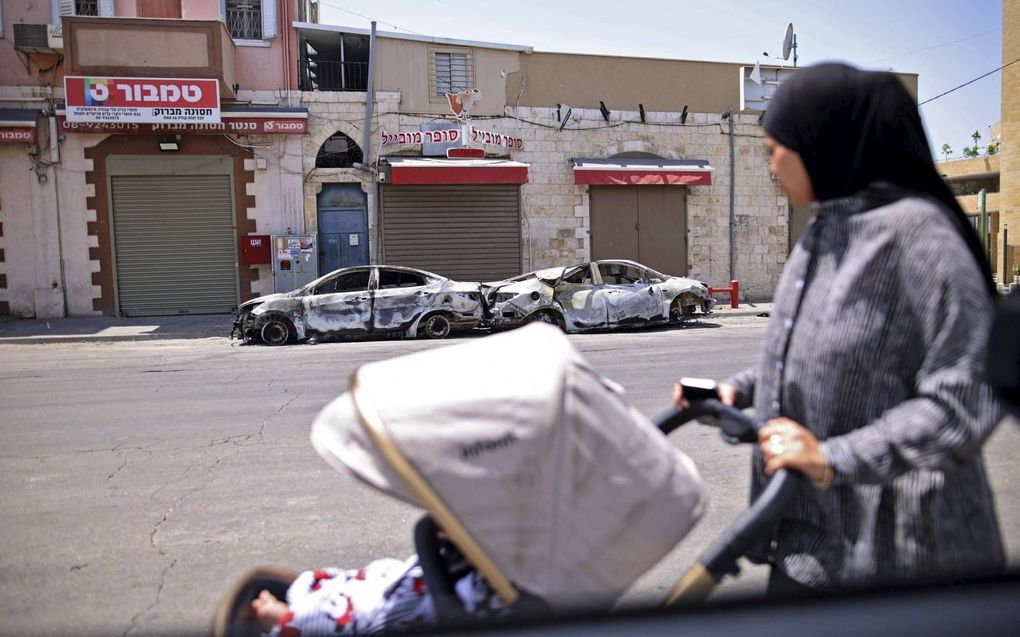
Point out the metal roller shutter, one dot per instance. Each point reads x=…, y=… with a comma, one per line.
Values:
x=174, y=244
x=464, y=232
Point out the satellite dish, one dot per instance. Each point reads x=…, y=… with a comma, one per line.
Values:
x=788, y=42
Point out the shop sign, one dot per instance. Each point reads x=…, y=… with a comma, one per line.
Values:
x=232, y=126
x=496, y=139
x=447, y=136
x=142, y=100
x=17, y=135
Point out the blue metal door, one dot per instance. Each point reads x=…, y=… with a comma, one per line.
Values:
x=343, y=238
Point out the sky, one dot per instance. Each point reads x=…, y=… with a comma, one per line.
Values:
x=945, y=42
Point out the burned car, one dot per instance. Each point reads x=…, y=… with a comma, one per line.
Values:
x=362, y=301
x=596, y=295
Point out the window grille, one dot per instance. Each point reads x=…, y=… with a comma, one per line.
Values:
x=453, y=73
x=339, y=151
x=86, y=7
x=244, y=19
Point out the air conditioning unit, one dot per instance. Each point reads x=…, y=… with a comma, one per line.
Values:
x=39, y=38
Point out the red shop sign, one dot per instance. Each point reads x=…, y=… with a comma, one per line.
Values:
x=141, y=100
x=17, y=135
x=232, y=126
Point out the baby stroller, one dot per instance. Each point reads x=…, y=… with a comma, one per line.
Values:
x=534, y=467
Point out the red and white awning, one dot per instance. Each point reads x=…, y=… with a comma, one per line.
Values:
x=427, y=170
x=641, y=172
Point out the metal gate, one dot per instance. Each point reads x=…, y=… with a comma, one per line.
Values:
x=647, y=224
x=174, y=242
x=464, y=232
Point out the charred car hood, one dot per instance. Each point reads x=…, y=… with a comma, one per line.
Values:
x=262, y=299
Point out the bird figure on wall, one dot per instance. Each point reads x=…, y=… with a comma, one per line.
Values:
x=461, y=103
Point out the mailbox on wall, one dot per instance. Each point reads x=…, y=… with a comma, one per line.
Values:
x=256, y=249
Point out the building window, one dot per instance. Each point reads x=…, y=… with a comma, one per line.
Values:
x=86, y=7
x=452, y=72
x=339, y=151
x=82, y=8
x=244, y=19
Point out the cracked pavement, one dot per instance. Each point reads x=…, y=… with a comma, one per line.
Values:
x=137, y=480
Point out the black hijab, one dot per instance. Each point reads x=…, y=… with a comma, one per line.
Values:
x=856, y=129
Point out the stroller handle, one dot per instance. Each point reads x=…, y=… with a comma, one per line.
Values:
x=735, y=425
x=720, y=559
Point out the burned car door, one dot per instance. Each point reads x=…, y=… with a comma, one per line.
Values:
x=582, y=299
x=630, y=298
x=400, y=297
x=341, y=304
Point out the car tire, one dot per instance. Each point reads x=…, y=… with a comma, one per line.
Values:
x=275, y=331
x=436, y=326
x=547, y=316
x=678, y=312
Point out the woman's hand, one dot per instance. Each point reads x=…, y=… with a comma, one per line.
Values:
x=727, y=394
x=788, y=444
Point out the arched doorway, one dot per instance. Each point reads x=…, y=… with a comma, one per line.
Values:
x=342, y=209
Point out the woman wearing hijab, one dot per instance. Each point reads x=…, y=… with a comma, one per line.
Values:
x=870, y=377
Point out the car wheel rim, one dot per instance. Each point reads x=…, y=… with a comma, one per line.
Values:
x=275, y=333
x=437, y=327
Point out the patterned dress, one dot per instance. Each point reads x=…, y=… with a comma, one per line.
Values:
x=877, y=345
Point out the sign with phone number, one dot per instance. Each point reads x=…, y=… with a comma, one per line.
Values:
x=232, y=126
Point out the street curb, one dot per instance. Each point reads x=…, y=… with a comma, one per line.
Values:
x=42, y=340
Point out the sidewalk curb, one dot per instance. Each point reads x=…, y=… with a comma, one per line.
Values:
x=121, y=338
x=206, y=330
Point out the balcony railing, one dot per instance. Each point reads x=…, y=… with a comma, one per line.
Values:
x=333, y=76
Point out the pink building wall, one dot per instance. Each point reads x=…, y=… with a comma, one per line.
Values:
x=256, y=67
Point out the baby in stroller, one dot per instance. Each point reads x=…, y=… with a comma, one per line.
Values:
x=387, y=595
x=551, y=490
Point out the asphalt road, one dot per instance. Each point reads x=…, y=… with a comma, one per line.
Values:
x=137, y=480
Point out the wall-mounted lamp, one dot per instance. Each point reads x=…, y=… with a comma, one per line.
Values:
x=604, y=110
x=641, y=110
x=170, y=143
x=683, y=115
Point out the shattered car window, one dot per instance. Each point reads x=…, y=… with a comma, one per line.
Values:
x=580, y=276
x=389, y=279
x=349, y=282
x=620, y=274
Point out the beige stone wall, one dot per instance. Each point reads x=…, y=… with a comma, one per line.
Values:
x=1009, y=191
x=969, y=167
x=404, y=67
x=555, y=212
x=329, y=113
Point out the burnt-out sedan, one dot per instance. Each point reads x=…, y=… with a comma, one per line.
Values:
x=596, y=295
x=359, y=302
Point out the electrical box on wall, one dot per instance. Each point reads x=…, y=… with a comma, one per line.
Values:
x=256, y=249
x=295, y=261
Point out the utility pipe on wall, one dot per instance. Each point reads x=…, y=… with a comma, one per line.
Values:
x=733, y=194
x=366, y=148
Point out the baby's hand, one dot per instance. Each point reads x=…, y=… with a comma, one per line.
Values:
x=268, y=610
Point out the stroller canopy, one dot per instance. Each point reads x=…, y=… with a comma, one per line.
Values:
x=566, y=489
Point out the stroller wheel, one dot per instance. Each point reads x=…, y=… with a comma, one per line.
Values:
x=234, y=617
